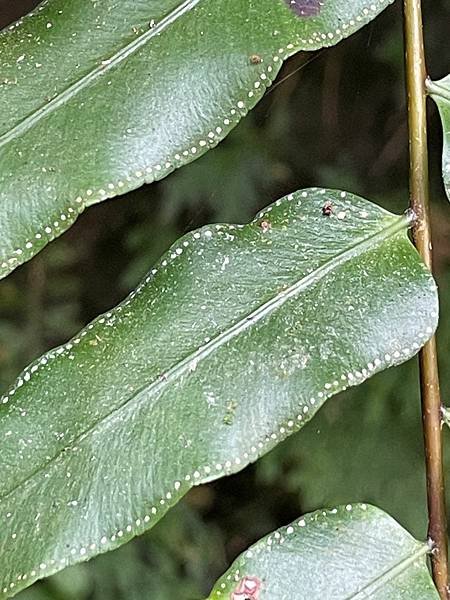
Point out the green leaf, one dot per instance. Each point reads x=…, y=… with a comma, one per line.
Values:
x=97, y=98
x=446, y=415
x=440, y=92
x=351, y=552
x=233, y=341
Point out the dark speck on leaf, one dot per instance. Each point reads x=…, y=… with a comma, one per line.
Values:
x=305, y=8
x=228, y=419
x=327, y=209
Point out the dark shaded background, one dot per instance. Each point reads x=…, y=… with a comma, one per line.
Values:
x=339, y=121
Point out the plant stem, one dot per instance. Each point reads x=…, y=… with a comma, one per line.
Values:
x=416, y=76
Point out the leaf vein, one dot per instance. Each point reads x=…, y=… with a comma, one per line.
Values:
x=236, y=329
x=106, y=65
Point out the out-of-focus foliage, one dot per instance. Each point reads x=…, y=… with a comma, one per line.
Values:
x=340, y=121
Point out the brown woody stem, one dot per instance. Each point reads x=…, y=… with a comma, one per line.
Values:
x=416, y=76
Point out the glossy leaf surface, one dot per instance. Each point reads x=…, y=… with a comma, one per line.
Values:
x=440, y=92
x=233, y=341
x=351, y=552
x=97, y=98
x=446, y=415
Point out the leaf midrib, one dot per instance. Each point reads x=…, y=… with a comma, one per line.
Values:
x=436, y=89
x=373, y=586
x=72, y=90
x=236, y=329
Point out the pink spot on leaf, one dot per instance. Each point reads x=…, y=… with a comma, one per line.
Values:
x=305, y=8
x=247, y=589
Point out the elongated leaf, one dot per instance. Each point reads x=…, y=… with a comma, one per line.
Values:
x=351, y=552
x=234, y=340
x=97, y=98
x=440, y=92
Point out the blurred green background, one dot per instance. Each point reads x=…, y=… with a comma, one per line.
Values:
x=334, y=118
